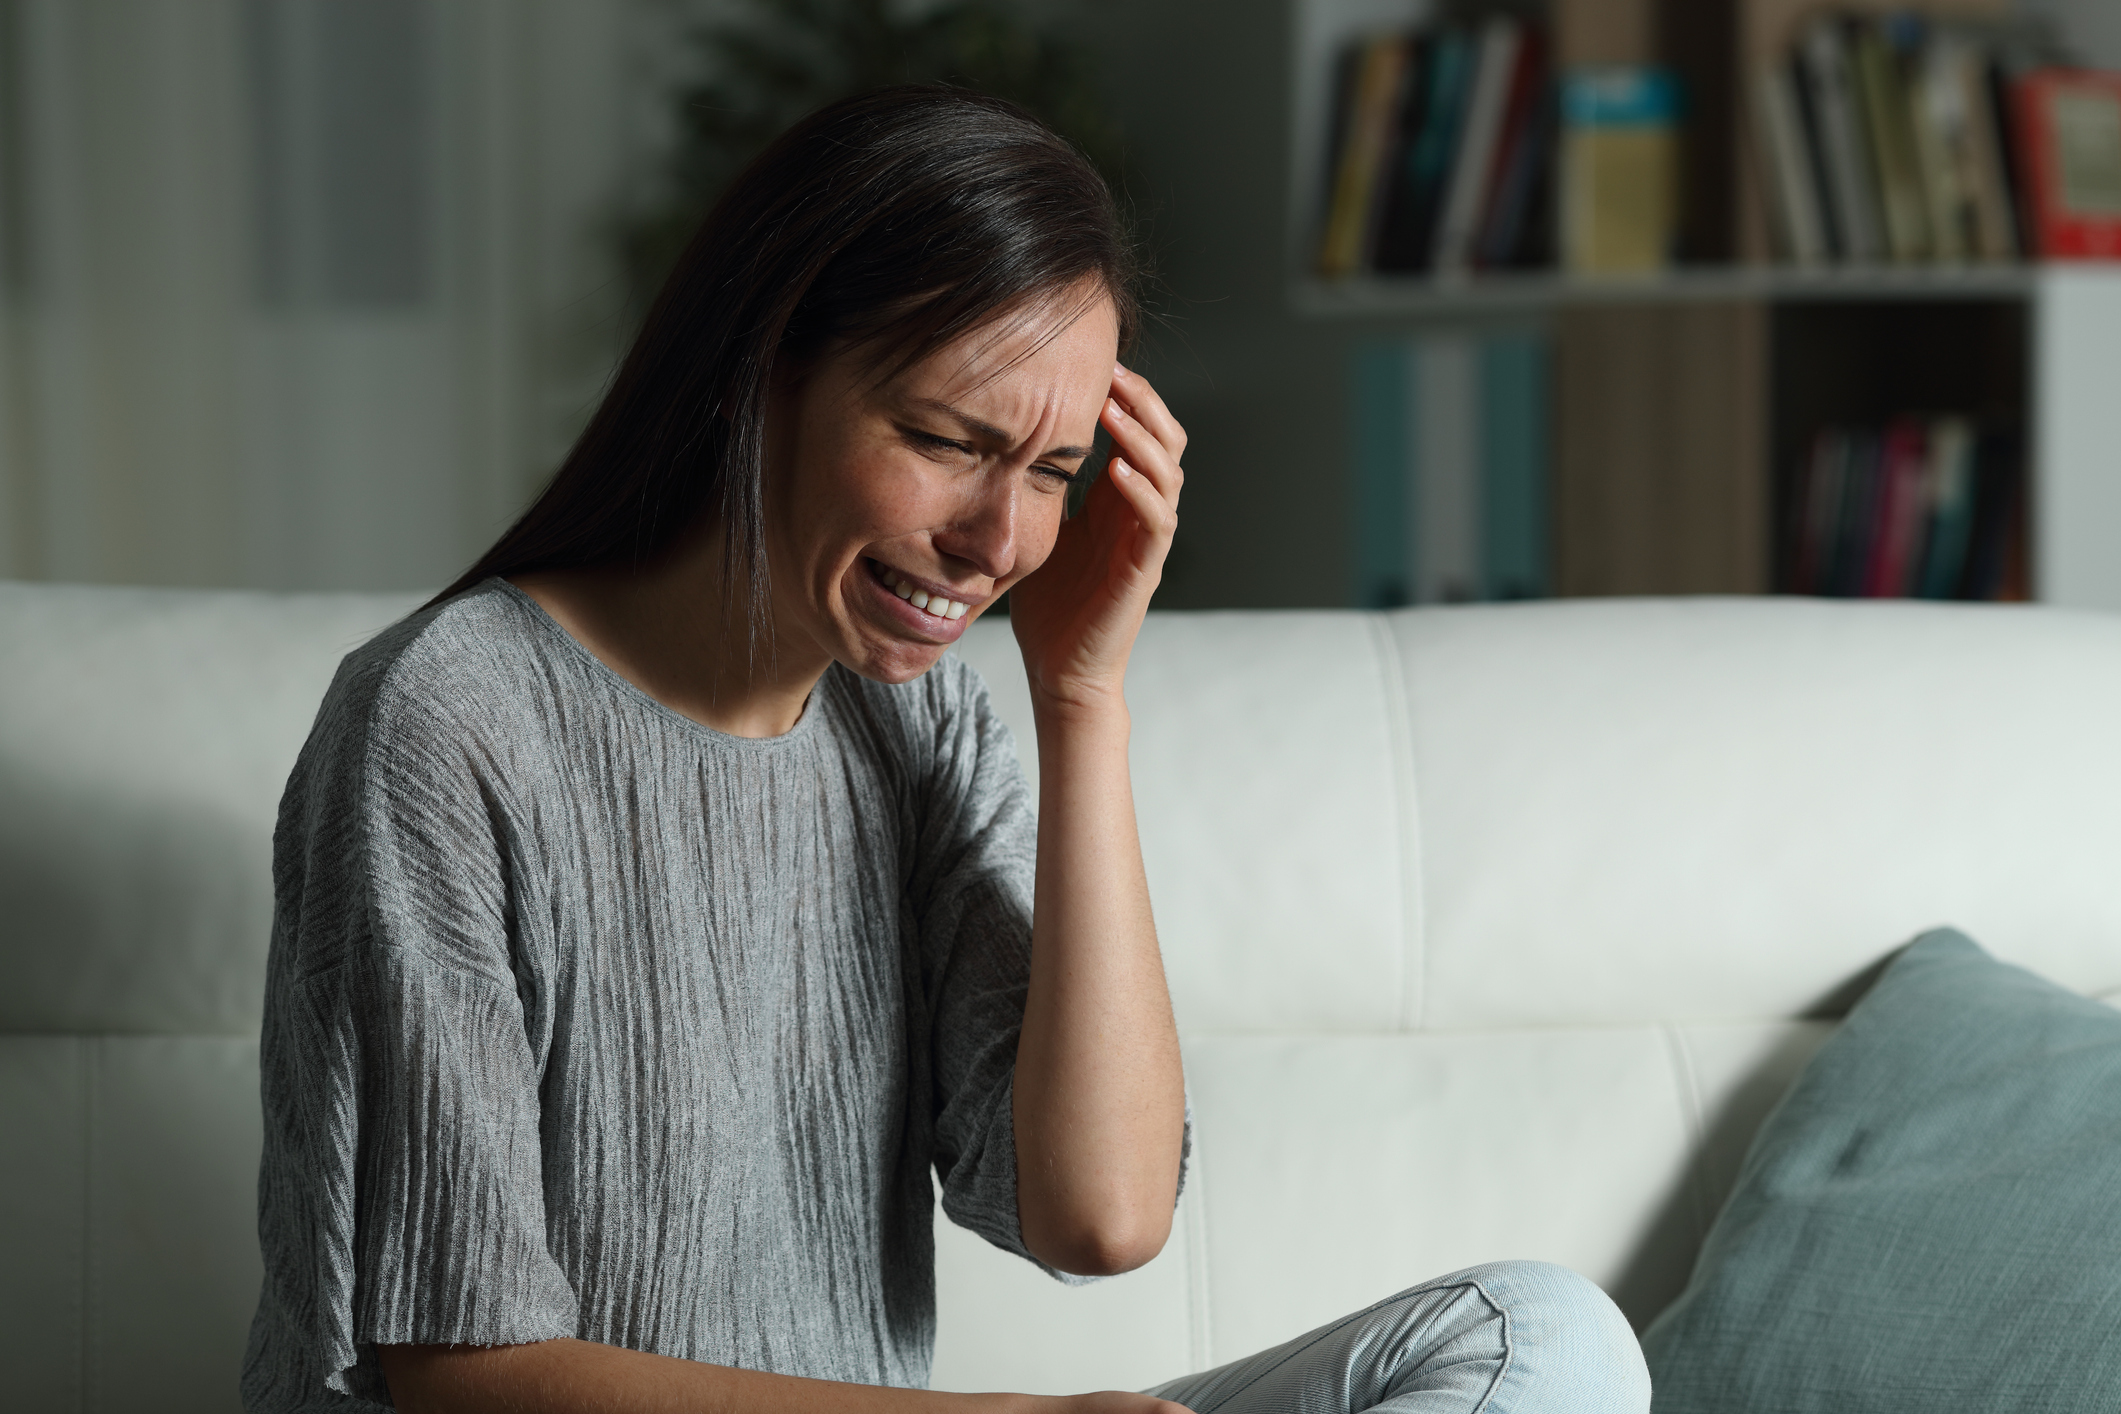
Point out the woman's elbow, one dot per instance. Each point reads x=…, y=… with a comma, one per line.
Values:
x=1103, y=1246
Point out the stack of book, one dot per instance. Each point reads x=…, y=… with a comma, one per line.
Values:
x=1441, y=147
x=1925, y=508
x=1888, y=139
x=1450, y=473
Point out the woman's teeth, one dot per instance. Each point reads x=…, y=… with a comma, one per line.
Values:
x=939, y=606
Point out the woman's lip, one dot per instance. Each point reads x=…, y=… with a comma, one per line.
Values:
x=920, y=623
x=878, y=569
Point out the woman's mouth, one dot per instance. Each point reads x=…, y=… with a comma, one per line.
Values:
x=933, y=605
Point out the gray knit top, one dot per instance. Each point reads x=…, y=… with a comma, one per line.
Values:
x=585, y=1020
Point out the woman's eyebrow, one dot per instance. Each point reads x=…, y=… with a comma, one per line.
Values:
x=990, y=432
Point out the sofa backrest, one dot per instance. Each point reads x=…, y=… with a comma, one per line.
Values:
x=1493, y=932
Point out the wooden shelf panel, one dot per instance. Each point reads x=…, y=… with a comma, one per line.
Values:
x=1422, y=296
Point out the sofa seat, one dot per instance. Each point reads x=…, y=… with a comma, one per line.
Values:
x=1492, y=932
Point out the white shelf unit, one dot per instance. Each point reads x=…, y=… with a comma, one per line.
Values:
x=2072, y=404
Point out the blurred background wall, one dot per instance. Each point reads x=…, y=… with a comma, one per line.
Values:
x=301, y=293
x=313, y=293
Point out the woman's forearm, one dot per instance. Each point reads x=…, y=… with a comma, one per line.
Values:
x=1100, y=1096
x=583, y=1377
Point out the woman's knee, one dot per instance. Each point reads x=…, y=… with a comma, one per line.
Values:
x=1570, y=1348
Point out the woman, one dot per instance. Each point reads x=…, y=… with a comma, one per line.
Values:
x=659, y=906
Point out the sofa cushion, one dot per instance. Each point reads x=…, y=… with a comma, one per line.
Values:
x=1927, y=1220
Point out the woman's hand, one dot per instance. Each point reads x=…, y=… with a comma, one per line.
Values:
x=1077, y=617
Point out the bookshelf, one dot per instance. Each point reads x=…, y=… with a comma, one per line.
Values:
x=1681, y=402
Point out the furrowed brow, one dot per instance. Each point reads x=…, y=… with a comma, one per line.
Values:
x=981, y=428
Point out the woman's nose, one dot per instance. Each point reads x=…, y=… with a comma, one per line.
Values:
x=984, y=533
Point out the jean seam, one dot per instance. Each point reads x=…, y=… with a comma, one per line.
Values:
x=1509, y=1347
x=1365, y=1312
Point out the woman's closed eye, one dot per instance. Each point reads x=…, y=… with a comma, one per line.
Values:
x=941, y=447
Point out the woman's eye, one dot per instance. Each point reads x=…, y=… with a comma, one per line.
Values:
x=930, y=442
x=1055, y=474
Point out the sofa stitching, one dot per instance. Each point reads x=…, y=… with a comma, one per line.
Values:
x=85, y=1327
x=1414, y=952
x=1688, y=1082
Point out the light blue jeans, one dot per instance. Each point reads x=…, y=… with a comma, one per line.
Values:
x=1506, y=1338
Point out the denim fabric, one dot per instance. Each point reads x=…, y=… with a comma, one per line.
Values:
x=1506, y=1338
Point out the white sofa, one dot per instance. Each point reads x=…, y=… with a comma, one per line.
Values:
x=1493, y=932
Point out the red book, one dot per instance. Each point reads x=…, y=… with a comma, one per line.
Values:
x=1901, y=511
x=2069, y=141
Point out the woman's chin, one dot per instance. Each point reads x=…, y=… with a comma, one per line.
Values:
x=894, y=661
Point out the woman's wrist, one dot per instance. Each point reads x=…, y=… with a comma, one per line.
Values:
x=1079, y=721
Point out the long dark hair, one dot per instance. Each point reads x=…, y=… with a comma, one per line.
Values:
x=895, y=222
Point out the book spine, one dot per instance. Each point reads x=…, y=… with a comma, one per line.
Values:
x=1447, y=465
x=1429, y=164
x=1885, y=119
x=1951, y=508
x=1619, y=169
x=1845, y=144
x=1939, y=127
x=1833, y=225
x=1514, y=382
x=1988, y=166
x=1900, y=511
x=1381, y=382
x=1472, y=170
x=1795, y=200
x=1369, y=133
x=1512, y=222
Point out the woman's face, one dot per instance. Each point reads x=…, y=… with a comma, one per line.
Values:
x=945, y=485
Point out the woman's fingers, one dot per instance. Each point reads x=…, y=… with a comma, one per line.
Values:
x=1152, y=510
x=1134, y=394
x=1146, y=452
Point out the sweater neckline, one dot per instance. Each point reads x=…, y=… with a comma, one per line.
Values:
x=546, y=625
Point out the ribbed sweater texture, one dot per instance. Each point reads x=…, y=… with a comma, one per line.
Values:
x=585, y=1020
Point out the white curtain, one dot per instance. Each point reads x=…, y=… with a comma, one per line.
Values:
x=302, y=293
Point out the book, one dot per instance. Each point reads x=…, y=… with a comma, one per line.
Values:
x=1473, y=166
x=1896, y=538
x=1856, y=528
x=1514, y=411
x=1347, y=69
x=1799, y=223
x=1941, y=120
x=1428, y=148
x=1990, y=172
x=1619, y=169
x=1450, y=472
x=1521, y=164
x=1817, y=521
x=2069, y=145
x=1995, y=563
x=1833, y=225
x=1844, y=143
x=1950, y=507
x=1373, y=108
x=1918, y=507
x=1875, y=68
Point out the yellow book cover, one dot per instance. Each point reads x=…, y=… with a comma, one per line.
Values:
x=1619, y=169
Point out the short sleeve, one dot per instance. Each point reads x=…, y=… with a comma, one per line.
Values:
x=400, y=1191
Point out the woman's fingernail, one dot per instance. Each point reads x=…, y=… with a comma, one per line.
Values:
x=1120, y=468
x=1121, y=369
x=1117, y=410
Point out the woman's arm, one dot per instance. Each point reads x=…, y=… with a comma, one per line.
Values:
x=1099, y=1091
x=582, y=1377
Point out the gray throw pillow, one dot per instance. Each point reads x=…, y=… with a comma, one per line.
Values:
x=1931, y=1220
